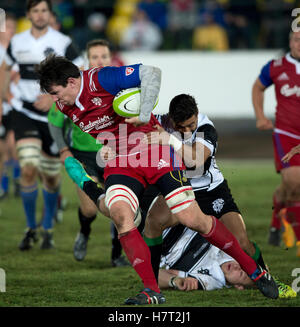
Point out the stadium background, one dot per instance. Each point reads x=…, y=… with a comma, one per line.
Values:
x=243, y=35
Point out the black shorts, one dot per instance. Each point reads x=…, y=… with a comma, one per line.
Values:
x=217, y=202
x=25, y=127
x=6, y=125
x=88, y=159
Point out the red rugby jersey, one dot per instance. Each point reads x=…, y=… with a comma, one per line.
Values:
x=94, y=114
x=285, y=74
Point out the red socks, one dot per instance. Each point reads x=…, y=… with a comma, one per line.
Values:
x=222, y=238
x=293, y=217
x=139, y=256
x=277, y=206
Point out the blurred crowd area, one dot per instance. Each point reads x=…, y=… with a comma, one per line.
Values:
x=151, y=25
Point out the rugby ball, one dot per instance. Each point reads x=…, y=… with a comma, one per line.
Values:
x=127, y=102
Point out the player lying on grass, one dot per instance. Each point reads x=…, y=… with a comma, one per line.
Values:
x=189, y=263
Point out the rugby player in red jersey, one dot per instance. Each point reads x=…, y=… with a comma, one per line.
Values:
x=284, y=73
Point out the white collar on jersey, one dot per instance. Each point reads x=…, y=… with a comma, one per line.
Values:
x=77, y=102
x=290, y=59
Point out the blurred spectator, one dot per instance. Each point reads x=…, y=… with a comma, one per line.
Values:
x=54, y=23
x=242, y=21
x=209, y=35
x=156, y=11
x=182, y=16
x=142, y=34
x=94, y=29
x=276, y=22
x=64, y=11
x=214, y=8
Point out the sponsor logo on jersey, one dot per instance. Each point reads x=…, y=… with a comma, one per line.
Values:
x=287, y=91
x=97, y=101
x=162, y=164
x=283, y=77
x=204, y=271
x=75, y=118
x=100, y=123
x=129, y=71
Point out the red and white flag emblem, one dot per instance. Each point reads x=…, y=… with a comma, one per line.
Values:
x=129, y=71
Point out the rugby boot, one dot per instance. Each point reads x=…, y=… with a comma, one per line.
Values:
x=265, y=283
x=120, y=262
x=146, y=296
x=285, y=291
x=80, y=246
x=28, y=240
x=274, y=236
x=47, y=240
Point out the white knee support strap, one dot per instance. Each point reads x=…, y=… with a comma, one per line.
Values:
x=29, y=154
x=49, y=165
x=120, y=192
x=180, y=199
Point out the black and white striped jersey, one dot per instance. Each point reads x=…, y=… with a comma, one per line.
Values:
x=208, y=177
x=27, y=52
x=188, y=252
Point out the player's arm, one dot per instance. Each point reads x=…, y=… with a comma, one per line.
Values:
x=55, y=124
x=261, y=83
x=2, y=86
x=170, y=279
x=295, y=150
x=150, y=86
x=148, y=78
x=195, y=155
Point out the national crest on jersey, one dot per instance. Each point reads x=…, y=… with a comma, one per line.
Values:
x=285, y=74
x=129, y=71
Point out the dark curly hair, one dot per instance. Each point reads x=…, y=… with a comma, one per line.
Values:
x=182, y=107
x=55, y=70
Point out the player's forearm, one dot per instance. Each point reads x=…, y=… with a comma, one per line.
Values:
x=193, y=156
x=164, y=278
x=57, y=135
x=258, y=100
x=150, y=86
x=196, y=155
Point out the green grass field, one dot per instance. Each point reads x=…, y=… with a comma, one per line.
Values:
x=40, y=278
